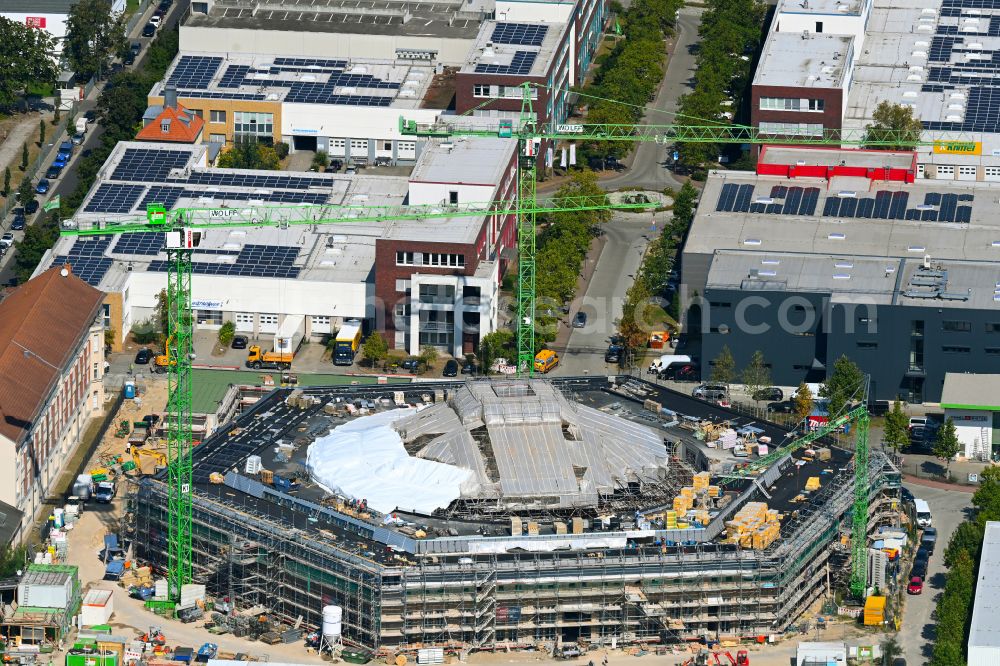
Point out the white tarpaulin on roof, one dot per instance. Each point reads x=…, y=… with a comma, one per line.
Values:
x=365, y=459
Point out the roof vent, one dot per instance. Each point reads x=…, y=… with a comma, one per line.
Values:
x=841, y=276
x=752, y=241
x=916, y=248
x=836, y=236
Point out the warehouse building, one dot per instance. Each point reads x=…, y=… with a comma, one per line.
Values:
x=984, y=634
x=847, y=56
x=343, y=78
x=967, y=399
x=418, y=281
x=899, y=275
x=546, y=521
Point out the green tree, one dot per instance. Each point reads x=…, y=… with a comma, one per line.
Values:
x=93, y=36
x=25, y=191
x=724, y=367
x=986, y=499
x=967, y=538
x=226, y=333
x=756, y=375
x=428, y=355
x=26, y=56
x=953, y=614
x=57, y=112
x=6, y=181
x=802, y=402
x=684, y=207
x=37, y=239
x=890, y=650
x=12, y=559
x=109, y=338
x=24, y=157
x=632, y=327
x=893, y=127
x=41, y=132
x=320, y=160
x=163, y=313
x=896, y=433
x=845, y=385
x=375, y=348
x=498, y=344
x=146, y=332
x=946, y=444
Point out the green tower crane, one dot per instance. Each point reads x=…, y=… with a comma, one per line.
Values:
x=182, y=228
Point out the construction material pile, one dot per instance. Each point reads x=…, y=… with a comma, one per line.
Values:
x=754, y=526
x=693, y=504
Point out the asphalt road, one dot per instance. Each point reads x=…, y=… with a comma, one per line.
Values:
x=916, y=635
x=67, y=181
x=648, y=164
x=627, y=237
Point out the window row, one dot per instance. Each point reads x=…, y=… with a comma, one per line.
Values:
x=792, y=129
x=430, y=259
x=487, y=91
x=790, y=104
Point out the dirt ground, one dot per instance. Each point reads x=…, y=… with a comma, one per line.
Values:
x=152, y=400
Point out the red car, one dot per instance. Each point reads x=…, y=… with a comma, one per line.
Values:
x=916, y=585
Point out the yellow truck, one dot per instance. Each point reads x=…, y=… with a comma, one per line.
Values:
x=272, y=360
x=347, y=343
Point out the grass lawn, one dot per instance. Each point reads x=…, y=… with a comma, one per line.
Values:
x=210, y=386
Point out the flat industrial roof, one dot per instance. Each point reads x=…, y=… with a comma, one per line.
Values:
x=812, y=61
x=934, y=59
x=138, y=173
x=773, y=214
x=440, y=18
x=523, y=49
x=469, y=161
x=858, y=279
x=985, y=629
x=835, y=7
x=288, y=78
x=971, y=391
x=808, y=156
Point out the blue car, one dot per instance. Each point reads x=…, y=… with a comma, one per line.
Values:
x=61, y=161
x=18, y=224
x=43, y=186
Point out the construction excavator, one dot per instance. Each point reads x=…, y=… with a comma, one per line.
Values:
x=705, y=658
x=154, y=459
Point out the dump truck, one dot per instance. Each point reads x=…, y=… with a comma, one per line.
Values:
x=272, y=360
x=347, y=344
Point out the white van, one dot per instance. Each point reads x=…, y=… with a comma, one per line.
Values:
x=665, y=361
x=924, y=519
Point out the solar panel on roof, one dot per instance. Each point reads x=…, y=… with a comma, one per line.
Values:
x=792, y=201
x=139, y=243
x=86, y=256
x=726, y=198
x=114, y=198
x=147, y=165
x=194, y=71
x=524, y=34
x=848, y=207
x=520, y=64
x=252, y=261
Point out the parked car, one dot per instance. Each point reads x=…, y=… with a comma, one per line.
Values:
x=451, y=368
x=707, y=390
x=148, y=30
x=613, y=354
x=158, y=14
x=239, y=342
x=916, y=585
x=43, y=186
x=685, y=372
x=919, y=568
x=129, y=58
x=143, y=356
x=411, y=364
x=771, y=393
x=383, y=161
x=135, y=48
x=165, y=5
x=53, y=172
x=18, y=224
x=31, y=207
x=469, y=368
x=60, y=161
x=783, y=407
x=928, y=539
x=155, y=20
x=923, y=553
x=91, y=115
x=579, y=320
x=7, y=239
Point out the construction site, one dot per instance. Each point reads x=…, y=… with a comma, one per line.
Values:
x=513, y=514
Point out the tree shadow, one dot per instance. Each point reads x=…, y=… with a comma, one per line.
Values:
x=932, y=467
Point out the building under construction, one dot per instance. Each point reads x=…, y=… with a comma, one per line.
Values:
x=512, y=513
